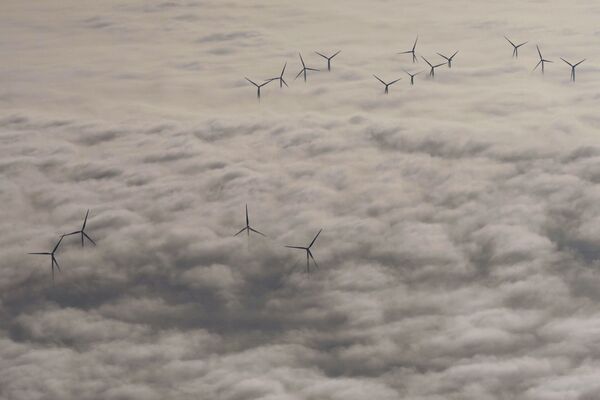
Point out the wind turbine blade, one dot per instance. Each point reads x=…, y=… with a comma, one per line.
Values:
x=46, y=254
x=406, y=52
x=312, y=69
x=284, y=82
x=301, y=60
x=392, y=82
x=539, y=52
x=251, y=82
x=313, y=258
x=426, y=61
x=415, y=44
x=56, y=262
x=247, y=219
x=58, y=244
x=89, y=238
x=255, y=231
x=338, y=52
x=376, y=77
x=322, y=55
x=317, y=235
x=536, y=65
x=455, y=53
x=85, y=220
x=296, y=247
x=283, y=70
x=299, y=73
x=509, y=41
x=441, y=55
x=522, y=44
x=566, y=61
x=242, y=230
x=579, y=62
x=72, y=233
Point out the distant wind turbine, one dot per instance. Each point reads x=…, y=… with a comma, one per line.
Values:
x=449, y=59
x=542, y=60
x=515, y=52
x=328, y=58
x=387, y=85
x=572, y=67
x=82, y=231
x=280, y=77
x=248, y=228
x=52, y=257
x=412, y=51
x=309, y=254
x=433, y=67
x=304, y=68
x=259, y=86
x=412, y=76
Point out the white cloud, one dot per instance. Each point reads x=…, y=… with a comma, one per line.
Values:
x=459, y=252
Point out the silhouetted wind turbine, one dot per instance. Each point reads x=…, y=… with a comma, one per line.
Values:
x=328, y=58
x=449, y=59
x=412, y=51
x=52, y=257
x=572, y=67
x=248, y=228
x=304, y=68
x=515, y=47
x=259, y=86
x=433, y=67
x=386, y=84
x=542, y=60
x=412, y=76
x=82, y=231
x=308, y=252
x=280, y=77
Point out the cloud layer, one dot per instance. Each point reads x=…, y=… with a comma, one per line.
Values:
x=459, y=252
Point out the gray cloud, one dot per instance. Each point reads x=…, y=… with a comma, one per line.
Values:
x=459, y=254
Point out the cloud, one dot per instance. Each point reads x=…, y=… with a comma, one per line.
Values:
x=459, y=251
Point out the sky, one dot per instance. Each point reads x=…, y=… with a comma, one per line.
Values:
x=460, y=247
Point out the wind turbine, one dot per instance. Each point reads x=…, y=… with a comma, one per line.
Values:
x=308, y=252
x=386, y=84
x=82, y=231
x=280, y=77
x=449, y=59
x=515, y=47
x=572, y=67
x=248, y=228
x=259, y=86
x=52, y=257
x=433, y=67
x=412, y=51
x=328, y=58
x=542, y=60
x=412, y=76
x=304, y=68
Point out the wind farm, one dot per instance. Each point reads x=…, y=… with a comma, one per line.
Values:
x=372, y=231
